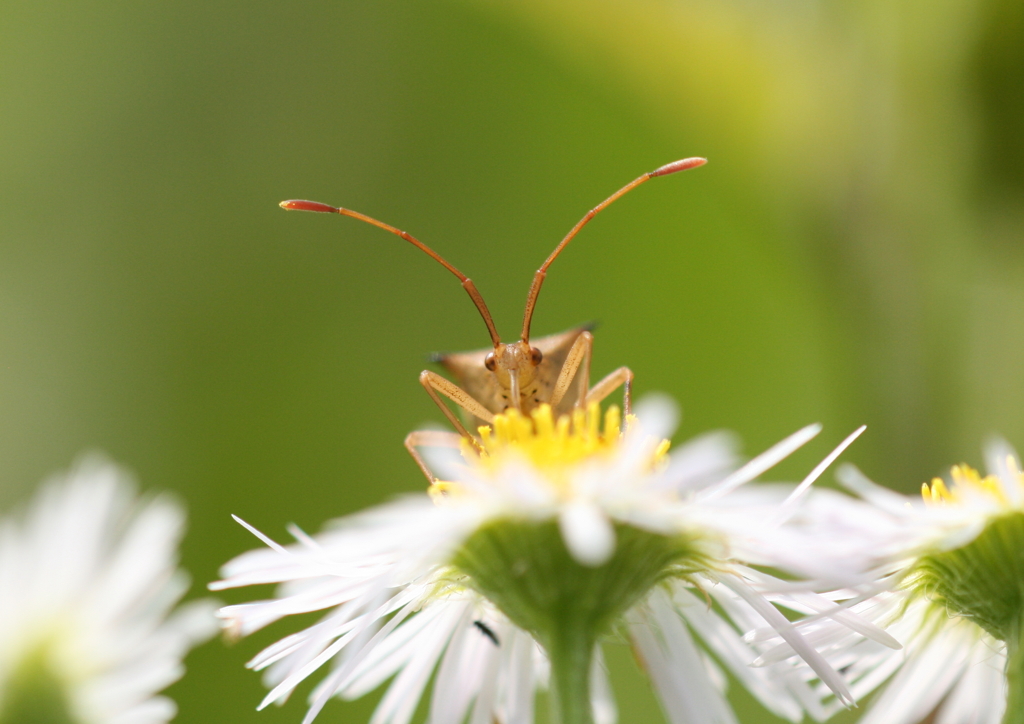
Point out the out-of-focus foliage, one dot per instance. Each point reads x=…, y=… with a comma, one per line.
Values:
x=851, y=253
x=998, y=75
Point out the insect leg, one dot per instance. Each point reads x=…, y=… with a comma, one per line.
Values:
x=429, y=438
x=434, y=383
x=579, y=354
x=622, y=376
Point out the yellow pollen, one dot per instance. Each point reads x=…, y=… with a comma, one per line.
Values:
x=548, y=443
x=552, y=446
x=966, y=480
x=441, y=489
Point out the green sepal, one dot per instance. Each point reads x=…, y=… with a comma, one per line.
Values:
x=982, y=581
x=524, y=568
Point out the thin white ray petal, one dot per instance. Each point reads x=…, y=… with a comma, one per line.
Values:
x=521, y=685
x=266, y=539
x=483, y=708
x=822, y=466
x=792, y=636
x=980, y=695
x=737, y=656
x=851, y=478
x=403, y=696
x=458, y=678
x=921, y=684
x=763, y=462
x=823, y=607
x=302, y=536
x=327, y=654
x=674, y=664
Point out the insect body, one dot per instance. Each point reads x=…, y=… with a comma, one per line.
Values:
x=487, y=631
x=537, y=382
x=517, y=375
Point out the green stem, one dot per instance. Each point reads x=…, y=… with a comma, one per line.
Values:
x=1015, y=677
x=570, y=649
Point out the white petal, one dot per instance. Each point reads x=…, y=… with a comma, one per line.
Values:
x=730, y=649
x=998, y=457
x=521, y=677
x=674, y=664
x=921, y=684
x=765, y=461
x=400, y=702
x=789, y=632
x=851, y=478
x=980, y=695
x=394, y=652
x=457, y=680
x=659, y=415
x=587, y=532
x=702, y=461
x=822, y=466
x=601, y=696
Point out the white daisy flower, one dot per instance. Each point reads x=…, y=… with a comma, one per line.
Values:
x=955, y=572
x=88, y=581
x=544, y=537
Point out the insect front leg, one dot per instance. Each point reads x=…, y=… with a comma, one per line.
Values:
x=434, y=383
x=623, y=377
x=578, y=359
x=429, y=438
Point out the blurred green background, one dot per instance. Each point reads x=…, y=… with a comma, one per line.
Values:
x=851, y=254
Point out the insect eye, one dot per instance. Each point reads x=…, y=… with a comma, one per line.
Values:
x=536, y=356
x=491, y=362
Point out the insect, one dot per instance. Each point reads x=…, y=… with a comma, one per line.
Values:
x=488, y=632
x=518, y=375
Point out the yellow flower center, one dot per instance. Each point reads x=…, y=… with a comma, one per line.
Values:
x=551, y=446
x=968, y=481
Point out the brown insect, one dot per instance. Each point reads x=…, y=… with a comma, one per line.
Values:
x=519, y=375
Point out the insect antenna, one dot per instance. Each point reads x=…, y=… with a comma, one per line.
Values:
x=538, y=278
x=467, y=283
